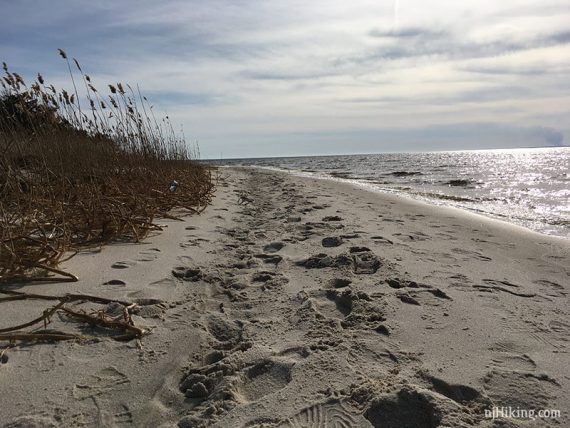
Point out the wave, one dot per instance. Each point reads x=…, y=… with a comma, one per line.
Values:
x=405, y=173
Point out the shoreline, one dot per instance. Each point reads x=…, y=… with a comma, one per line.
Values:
x=292, y=301
x=409, y=198
x=528, y=190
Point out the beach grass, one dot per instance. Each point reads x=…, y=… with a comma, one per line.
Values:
x=83, y=167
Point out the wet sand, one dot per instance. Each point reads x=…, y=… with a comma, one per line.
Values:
x=301, y=302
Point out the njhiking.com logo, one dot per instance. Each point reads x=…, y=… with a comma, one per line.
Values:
x=518, y=413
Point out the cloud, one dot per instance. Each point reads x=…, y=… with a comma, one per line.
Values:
x=406, y=33
x=244, y=71
x=484, y=135
x=551, y=137
x=479, y=95
x=293, y=75
x=418, y=42
x=557, y=38
x=553, y=61
x=184, y=99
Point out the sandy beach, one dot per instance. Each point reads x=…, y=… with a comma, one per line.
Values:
x=297, y=302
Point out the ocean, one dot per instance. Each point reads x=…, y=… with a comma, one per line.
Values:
x=527, y=187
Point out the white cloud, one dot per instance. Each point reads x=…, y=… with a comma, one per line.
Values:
x=230, y=71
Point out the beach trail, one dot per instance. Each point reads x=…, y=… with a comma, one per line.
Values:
x=298, y=302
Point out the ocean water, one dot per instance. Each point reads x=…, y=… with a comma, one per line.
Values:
x=528, y=187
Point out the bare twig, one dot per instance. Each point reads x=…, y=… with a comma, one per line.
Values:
x=45, y=318
x=100, y=319
x=66, y=298
x=102, y=322
x=40, y=337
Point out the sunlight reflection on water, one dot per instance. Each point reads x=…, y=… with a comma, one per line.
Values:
x=529, y=187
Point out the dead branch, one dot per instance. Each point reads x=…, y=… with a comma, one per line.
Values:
x=40, y=337
x=66, y=298
x=45, y=318
x=100, y=321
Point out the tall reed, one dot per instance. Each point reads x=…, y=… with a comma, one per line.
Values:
x=84, y=167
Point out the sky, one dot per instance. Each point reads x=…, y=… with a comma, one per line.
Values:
x=253, y=78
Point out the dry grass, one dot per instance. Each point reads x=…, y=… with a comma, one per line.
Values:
x=79, y=168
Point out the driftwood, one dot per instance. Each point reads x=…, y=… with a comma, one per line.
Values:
x=45, y=318
x=96, y=318
x=102, y=321
x=67, y=298
x=40, y=337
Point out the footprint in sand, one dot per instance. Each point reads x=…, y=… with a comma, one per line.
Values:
x=228, y=334
x=241, y=382
x=264, y=378
x=295, y=353
x=509, y=346
x=339, y=283
x=462, y=394
x=381, y=240
x=148, y=255
x=518, y=389
x=446, y=236
x=417, y=294
x=268, y=280
x=163, y=283
x=352, y=309
x=551, y=288
x=393, y=220
x=561, y=330
x=471, y=255
x=364, y=261
x=187, y=273
x=273, y=259
x=273, y=247
x=406, y=298
x=508, y=360
x=414, y=236
x=106, y=380
x=333, y=413
x=331, y=241
x=405, y=409
x=193, y=241
x=332, y=218
x=123, y=265
x=29, y=421
x=150, y=308
x=350, y=235
x=335, y=305
x=123, y=417
x=116, y=283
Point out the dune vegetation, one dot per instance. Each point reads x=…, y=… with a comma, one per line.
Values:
x=82, y=167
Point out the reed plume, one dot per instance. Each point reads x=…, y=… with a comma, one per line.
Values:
x=68, y=181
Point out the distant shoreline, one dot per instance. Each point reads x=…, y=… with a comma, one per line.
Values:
x=406, y=197
x=526, y=187
x=222, y=159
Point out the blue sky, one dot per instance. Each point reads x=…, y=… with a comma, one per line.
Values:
x=270, y=78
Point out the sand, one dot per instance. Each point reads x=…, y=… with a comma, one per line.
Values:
x=296, y=302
